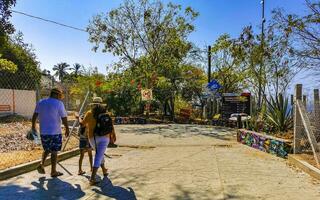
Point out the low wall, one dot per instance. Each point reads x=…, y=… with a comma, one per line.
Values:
x=130, y=120
x=265, y=143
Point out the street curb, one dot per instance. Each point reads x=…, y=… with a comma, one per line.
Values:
x=304, y=166
x=27, y=167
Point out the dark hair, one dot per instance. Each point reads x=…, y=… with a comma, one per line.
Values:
x=55, y=92
x=97, y=109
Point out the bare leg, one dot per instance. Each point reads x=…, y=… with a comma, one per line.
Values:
x=104, y=169
x=90, y=158
x=93, y=176
x=40, y=168
x=53, y=162
x=80, y=162
x=44, y=157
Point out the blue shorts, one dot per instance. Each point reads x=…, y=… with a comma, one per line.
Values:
x=51, y=142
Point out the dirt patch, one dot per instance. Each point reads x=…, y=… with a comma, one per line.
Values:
x=15, y=148
x=15, y=128
x=309, y=159
x=14, y=158
x=287, y=135
x=13, y=118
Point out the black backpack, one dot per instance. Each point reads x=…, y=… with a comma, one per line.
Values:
x=104, y=125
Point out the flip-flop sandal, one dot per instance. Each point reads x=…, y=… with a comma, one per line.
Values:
x=81, y=173
x=94, y=182
x=56, y=174
x=41, y=170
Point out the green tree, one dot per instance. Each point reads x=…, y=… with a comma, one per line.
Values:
x=5, y=13
x=192, y=87
x=229, y=70
x=139, y=28
x=61, y=70
x=27, y=74
x=77, y=69
x=149, y=36
x=254, y=61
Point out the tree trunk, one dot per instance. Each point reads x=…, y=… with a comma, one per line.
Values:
x=172, y=106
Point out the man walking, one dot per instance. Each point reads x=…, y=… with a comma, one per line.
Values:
x=51, y=112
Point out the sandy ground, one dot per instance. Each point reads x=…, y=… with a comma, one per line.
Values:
x=177, y=162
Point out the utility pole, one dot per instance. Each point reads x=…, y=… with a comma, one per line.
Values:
x=209, y=64
x=209, y=102
x=260, y=89
x=263, y=21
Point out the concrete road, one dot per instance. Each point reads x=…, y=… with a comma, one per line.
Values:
x=173, y=162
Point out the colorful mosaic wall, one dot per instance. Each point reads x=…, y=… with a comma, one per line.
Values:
x=130, y=120
x=265, y=143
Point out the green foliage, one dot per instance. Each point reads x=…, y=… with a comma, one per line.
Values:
x=5, y=13
x=143, y=28
x=180, y=103
x=15, y=51
x=257, y=121
x=77, y=69
x=122, y=94
x=151, y=39
x=8, y=66
x=89, y=80
x=278, y=114
x=228, y=58
x=61, y=70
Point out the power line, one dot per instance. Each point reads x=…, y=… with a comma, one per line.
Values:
x=50, y=21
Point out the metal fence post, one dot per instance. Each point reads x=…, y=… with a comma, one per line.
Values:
x=304, y=100
x=297, y=121
x=316, y=103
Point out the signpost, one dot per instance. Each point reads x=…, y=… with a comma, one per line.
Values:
x=212, y=91
x=213, y=86
x=235, y=103
x=146, y=95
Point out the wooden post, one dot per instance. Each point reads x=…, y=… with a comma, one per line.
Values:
x=298, y=129
x=308, y=130
x=292, y=105
x=316, y=116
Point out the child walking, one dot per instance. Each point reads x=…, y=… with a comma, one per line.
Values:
x=84, y=147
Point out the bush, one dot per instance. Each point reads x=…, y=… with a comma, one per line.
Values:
x=279, y=114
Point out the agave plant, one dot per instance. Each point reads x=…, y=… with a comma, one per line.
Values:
x=279, y=114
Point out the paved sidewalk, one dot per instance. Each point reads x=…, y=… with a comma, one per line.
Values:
x=188, y=162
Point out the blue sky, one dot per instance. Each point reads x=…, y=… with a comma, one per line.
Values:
x=55, y=44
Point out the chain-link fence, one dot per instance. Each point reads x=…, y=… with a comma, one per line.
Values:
x=307, y=127
x=19, y=93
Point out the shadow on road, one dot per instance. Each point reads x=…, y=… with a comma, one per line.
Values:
x=116, y=192
x=53, y=188
x=231, y=194
x=182, y=131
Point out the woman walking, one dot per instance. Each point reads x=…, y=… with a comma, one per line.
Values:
x=99, y=141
